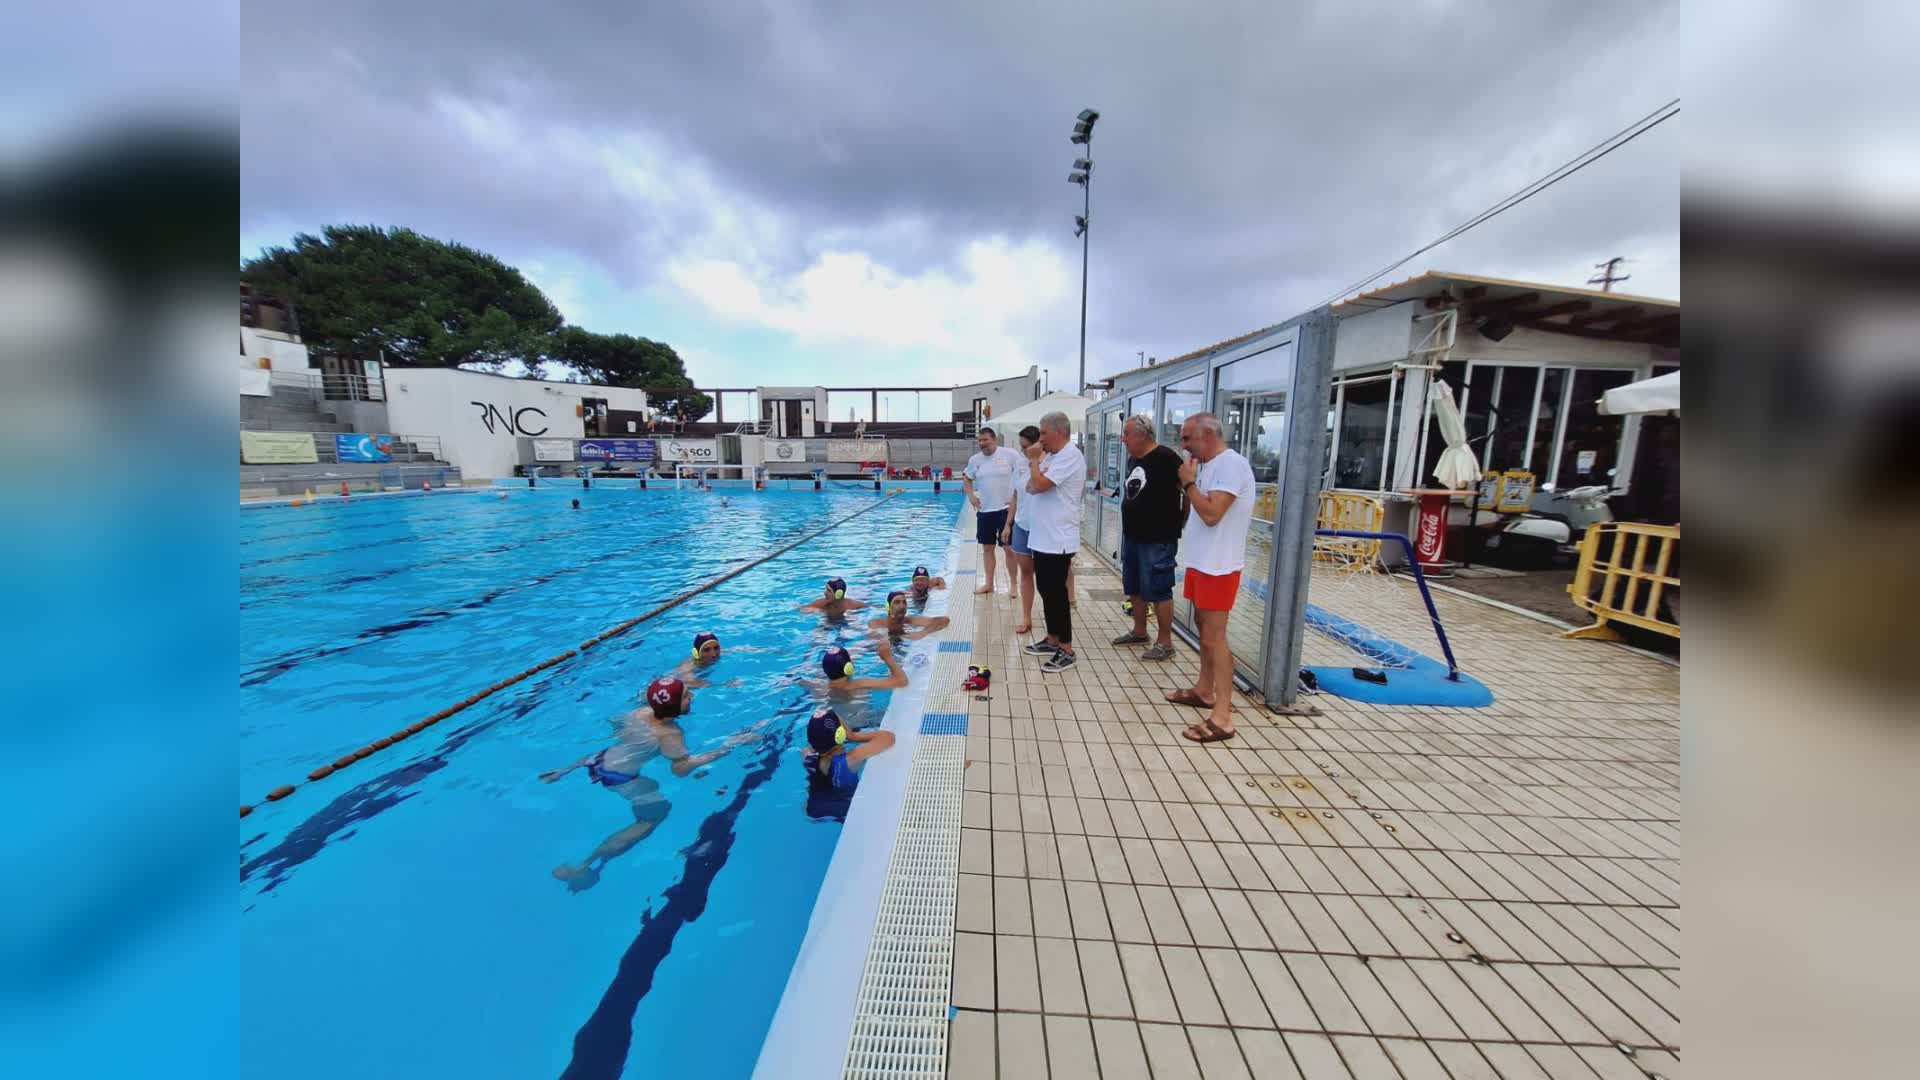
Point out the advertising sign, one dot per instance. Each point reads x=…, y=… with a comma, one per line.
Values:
x=348, y=446
x=1516, y=490
x=277, y=448
x=874, y=450
x=783, y=452
x=691, y=451
x=616, y=450
x=553, y=450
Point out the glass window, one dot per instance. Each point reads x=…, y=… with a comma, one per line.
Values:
x=1363, y=435
x=1592, y=443
x=1512, y=408
x=1553, y=388
x=1269, y=370
x=1182, y=399
x=1141, y=405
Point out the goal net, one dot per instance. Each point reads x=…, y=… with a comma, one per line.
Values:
x=686, y=475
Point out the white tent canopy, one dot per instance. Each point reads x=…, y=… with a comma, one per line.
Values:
x=1008, y=424
x=1656, y=395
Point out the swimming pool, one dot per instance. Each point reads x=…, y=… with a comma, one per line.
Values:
x=401, y=916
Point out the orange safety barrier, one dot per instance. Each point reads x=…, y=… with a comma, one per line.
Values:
x=1349, y=512
x=1614, y=557
x=418, y=726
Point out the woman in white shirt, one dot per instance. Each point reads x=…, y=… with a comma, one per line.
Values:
x=1019, y=555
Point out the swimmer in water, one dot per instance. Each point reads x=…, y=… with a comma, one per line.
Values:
x=834, y=754
x=924, y=583
x=837, y=663
x=646, y=733
x=834, y=600
x=576, y=504
x=706, y=653
x=897, y=623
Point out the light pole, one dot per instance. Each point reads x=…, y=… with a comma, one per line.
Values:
x=1083, y=175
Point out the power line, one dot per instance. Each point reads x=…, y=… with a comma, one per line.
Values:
x=1606, y=278
x=1573, y=165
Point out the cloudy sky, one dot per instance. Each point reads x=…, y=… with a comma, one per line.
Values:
x=795, y=192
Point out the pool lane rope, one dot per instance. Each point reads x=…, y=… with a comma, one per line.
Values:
x=424, y=723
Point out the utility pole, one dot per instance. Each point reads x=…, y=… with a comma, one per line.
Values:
x=1606, y=277
x=1083, y=175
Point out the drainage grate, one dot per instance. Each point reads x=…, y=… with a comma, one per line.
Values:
x=900, y=1017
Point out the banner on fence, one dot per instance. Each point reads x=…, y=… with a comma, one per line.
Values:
x=277, y=448
x=863, y=450
x=616, y=450
x=553, y=450
x=691, y=451
x=354, y=447
x=783, y=452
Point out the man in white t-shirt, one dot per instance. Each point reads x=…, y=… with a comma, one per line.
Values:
x=1219, y=487
x=990, y=481
x=1056, y=482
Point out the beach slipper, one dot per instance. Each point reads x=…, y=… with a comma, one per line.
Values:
x=1187, y=697
x=1213, y=734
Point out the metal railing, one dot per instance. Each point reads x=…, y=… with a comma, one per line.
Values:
x=1611, y=572
x=326, y=386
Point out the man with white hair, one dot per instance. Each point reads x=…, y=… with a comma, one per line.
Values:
x=1219, y=486
x=1151, y=513
x=1056, y=482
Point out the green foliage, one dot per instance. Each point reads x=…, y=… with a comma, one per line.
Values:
x=361, y=291
x=625, y=360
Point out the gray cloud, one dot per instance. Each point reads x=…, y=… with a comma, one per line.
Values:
x=1250, y=158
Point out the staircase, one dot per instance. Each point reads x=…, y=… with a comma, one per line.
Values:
x=290, y=408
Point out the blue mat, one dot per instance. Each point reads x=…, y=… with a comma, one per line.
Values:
x=1412, y=678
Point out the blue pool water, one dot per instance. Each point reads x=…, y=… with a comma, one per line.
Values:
x=402, y=917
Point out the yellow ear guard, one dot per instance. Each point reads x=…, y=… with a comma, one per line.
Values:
x=840, y=735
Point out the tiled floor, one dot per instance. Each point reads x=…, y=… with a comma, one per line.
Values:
x=1371, y=892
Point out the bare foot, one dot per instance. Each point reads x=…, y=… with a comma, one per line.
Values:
x=983, y=590
x=1023, y=628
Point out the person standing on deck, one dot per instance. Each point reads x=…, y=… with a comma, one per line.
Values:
x=1056, y=482
x=1219, y=487
x=990, y=484
x=1151, y=513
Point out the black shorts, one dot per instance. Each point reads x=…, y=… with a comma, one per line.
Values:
x=988, y=525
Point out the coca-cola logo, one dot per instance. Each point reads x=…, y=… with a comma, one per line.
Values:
x=1429, y=534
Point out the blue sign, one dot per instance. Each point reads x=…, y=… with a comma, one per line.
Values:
x=354, y=447
x=616, y=450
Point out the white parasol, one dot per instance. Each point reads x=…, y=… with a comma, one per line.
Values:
x=1656, y=395
x=1458, y=467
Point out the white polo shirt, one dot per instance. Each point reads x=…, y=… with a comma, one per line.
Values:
x=994, y=476
x=1055, y=517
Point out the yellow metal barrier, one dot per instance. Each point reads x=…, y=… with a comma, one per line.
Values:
x=1351, y=513
x=1614, y=564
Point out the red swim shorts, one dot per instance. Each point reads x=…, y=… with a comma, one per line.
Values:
x=1212, y=592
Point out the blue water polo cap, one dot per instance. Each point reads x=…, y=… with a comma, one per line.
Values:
x=837, y=663
x=825, y=731
x=702, y=638
x=837, y=586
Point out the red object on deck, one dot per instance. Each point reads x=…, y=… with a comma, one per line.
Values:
x=1430, y=529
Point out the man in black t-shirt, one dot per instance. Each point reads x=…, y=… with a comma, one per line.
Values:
x=1152, y=510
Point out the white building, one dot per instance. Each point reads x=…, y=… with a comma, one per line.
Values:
x=985, y=400
x=481, y=418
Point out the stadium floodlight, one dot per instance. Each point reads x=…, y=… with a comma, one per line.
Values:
x=1076, y=178
x=1083, y=164
x=1078, y=138
x=1079, y=225
x=1088, y=116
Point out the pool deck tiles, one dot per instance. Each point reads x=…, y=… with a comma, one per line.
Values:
x=1373, y=891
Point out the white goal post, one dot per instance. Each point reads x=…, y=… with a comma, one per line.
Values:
x=752, y=476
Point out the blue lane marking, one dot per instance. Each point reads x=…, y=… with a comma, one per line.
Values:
x=956, y=646
x=964, y=573
x=943, y=723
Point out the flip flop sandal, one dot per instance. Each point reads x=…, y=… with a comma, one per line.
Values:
x=1188, y=697
x=1213, y=734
